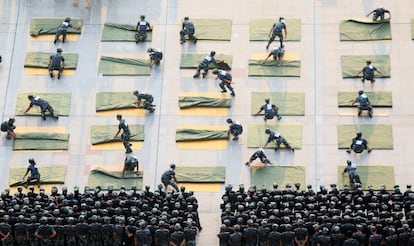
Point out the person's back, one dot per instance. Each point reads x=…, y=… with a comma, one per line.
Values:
x=351, y=242
x=274, y=238
x=162, y=237
x=235, y=239
x=56, y=60
x=359, y=144
x=288, y=238
x=375, y=240
x=369, y=71
x=250, y=236
x=269, y=110
x=363, y=101
x=39, y=102
x=278, y=27
x=189, y=27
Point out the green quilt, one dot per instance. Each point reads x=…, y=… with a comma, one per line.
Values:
x=378, y=136
x=375, y=175
x=259, y=29
x=105, y=133
x=113, y=32
x=106, y=178
x=377, y=98
x=41, y=141
x=201, y=174
x=271, y=69
x=351, y=65
x=114, y=100
x=41, y=60
x=111, y=66
x=212, y=29
x=357, y=30
x=41, y=26
x=209, y=102
x=48, y=175
x=192, y=61
x=267, y=175
x=256, y=136
x=187, y=134
x=289, y=103
x=59, y=101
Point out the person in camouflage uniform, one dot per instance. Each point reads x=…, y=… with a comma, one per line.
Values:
x=45, y=233
x=95, y=232
x=20, y=231
x=60, y=232
x=71, y=230
x=31, y=229
x=82, y=229
x=6, y=232
x=107, y=232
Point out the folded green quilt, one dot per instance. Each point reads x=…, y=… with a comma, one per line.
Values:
x=114, y=100
x=259, y=29
x=201, y=174
x=187, y=134
x=256, y=136
x=110, y=66
x=378, y=136
x=377, y=98
x=209, y=102
x=113, y=32
x=41, y=141
x=270, y=69
x=105, y=133
x=357, y=30
x=268, y=175
x=48, y=175
x=351, y=65
x=212, y=29
x=41, y=60
x=59, y=101
x=106, y=178
x=41, y=26
x=289, y=103
x=375, y=175
x=193, y=60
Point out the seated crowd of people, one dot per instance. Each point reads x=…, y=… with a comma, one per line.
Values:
x=98, y=217
x=295, y=216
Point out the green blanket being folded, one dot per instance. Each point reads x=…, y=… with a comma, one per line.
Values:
x=41, y=141
x=191, y=61
x=41, y=60
x=41, y=26
x=351, y=65
x=375, y=175
x=106, y=178
x=114, y=100
x=378, y=136
x=113, y=32
x=48, y=175
x=377, y=98
x=110, y=66
x=256, y=136
x=288, y=103
x=271, y=69
x=259, y=29
x=357, y=30
x=210, y=102
x=268, y=175
x=212, y=29
x=59, y=101
x=182, y=135
x=104, y=133
x=201, y=174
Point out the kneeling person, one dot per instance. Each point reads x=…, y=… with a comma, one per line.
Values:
x=131, y=162
x=270, y=111
x=258, y=154
x=235, y=128
x=225, y=80
x=8, y=126
x=148, y=99
x=363, y=103
x=359, y=144
x=155, y=56
x=56, y=62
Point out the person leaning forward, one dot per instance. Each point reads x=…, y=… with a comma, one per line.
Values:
x=43, y=104
x=168, y=178
x=8, y=126
x=277, y=137
x=34, y=173
x=63, y=29
x=56, y=62
x=204, y=64
x=187, y=29
x=359, y=144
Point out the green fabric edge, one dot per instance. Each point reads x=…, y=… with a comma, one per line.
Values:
x=114, y=100
x=377, y=98
x=41, y=141
x=188, y=134
x=259, y=29
x=378, y=136
x=114, y=66
x=41, y=60
x=213, y=29
x=357, y=30
x=45, y=26
x=104, y=133
x=191, y=61
x=49, y=175
x=292, y=103
x=351, y=65
x=256, y=136
x=115, y=32
x=201, y=174
x=193, y=101
x=267, y=175
x=271, y=69
x=104, y=178
x=60, y=101
x=375, y=175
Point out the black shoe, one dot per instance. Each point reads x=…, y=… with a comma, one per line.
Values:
x=373, y=80
x=369, y=151
x=359, y=113
x=223, y=91
x=276, y=149
x=370, y=115
x=267, y=47
x=130, y=145
x=247, y=164
x=51, y=75
x=195, y=40
x=348, y=151
x=292, y=149
x=265, y=119
x=204, y=75
x=196, y=76
x=59, y=76
x=152, y=110
x=363, y=80
x=235, y=138
x=56, y=117
x=63, y=41
x=43, y=117
x=279, y=117
x=233, y=94
x=54, y=41
x=181, y=42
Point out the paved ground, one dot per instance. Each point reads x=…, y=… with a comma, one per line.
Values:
x=319, y=51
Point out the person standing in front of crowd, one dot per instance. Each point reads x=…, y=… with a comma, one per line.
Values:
x=126, y=133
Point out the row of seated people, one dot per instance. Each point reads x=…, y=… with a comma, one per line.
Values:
x=98, y=217
x=322, y=213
